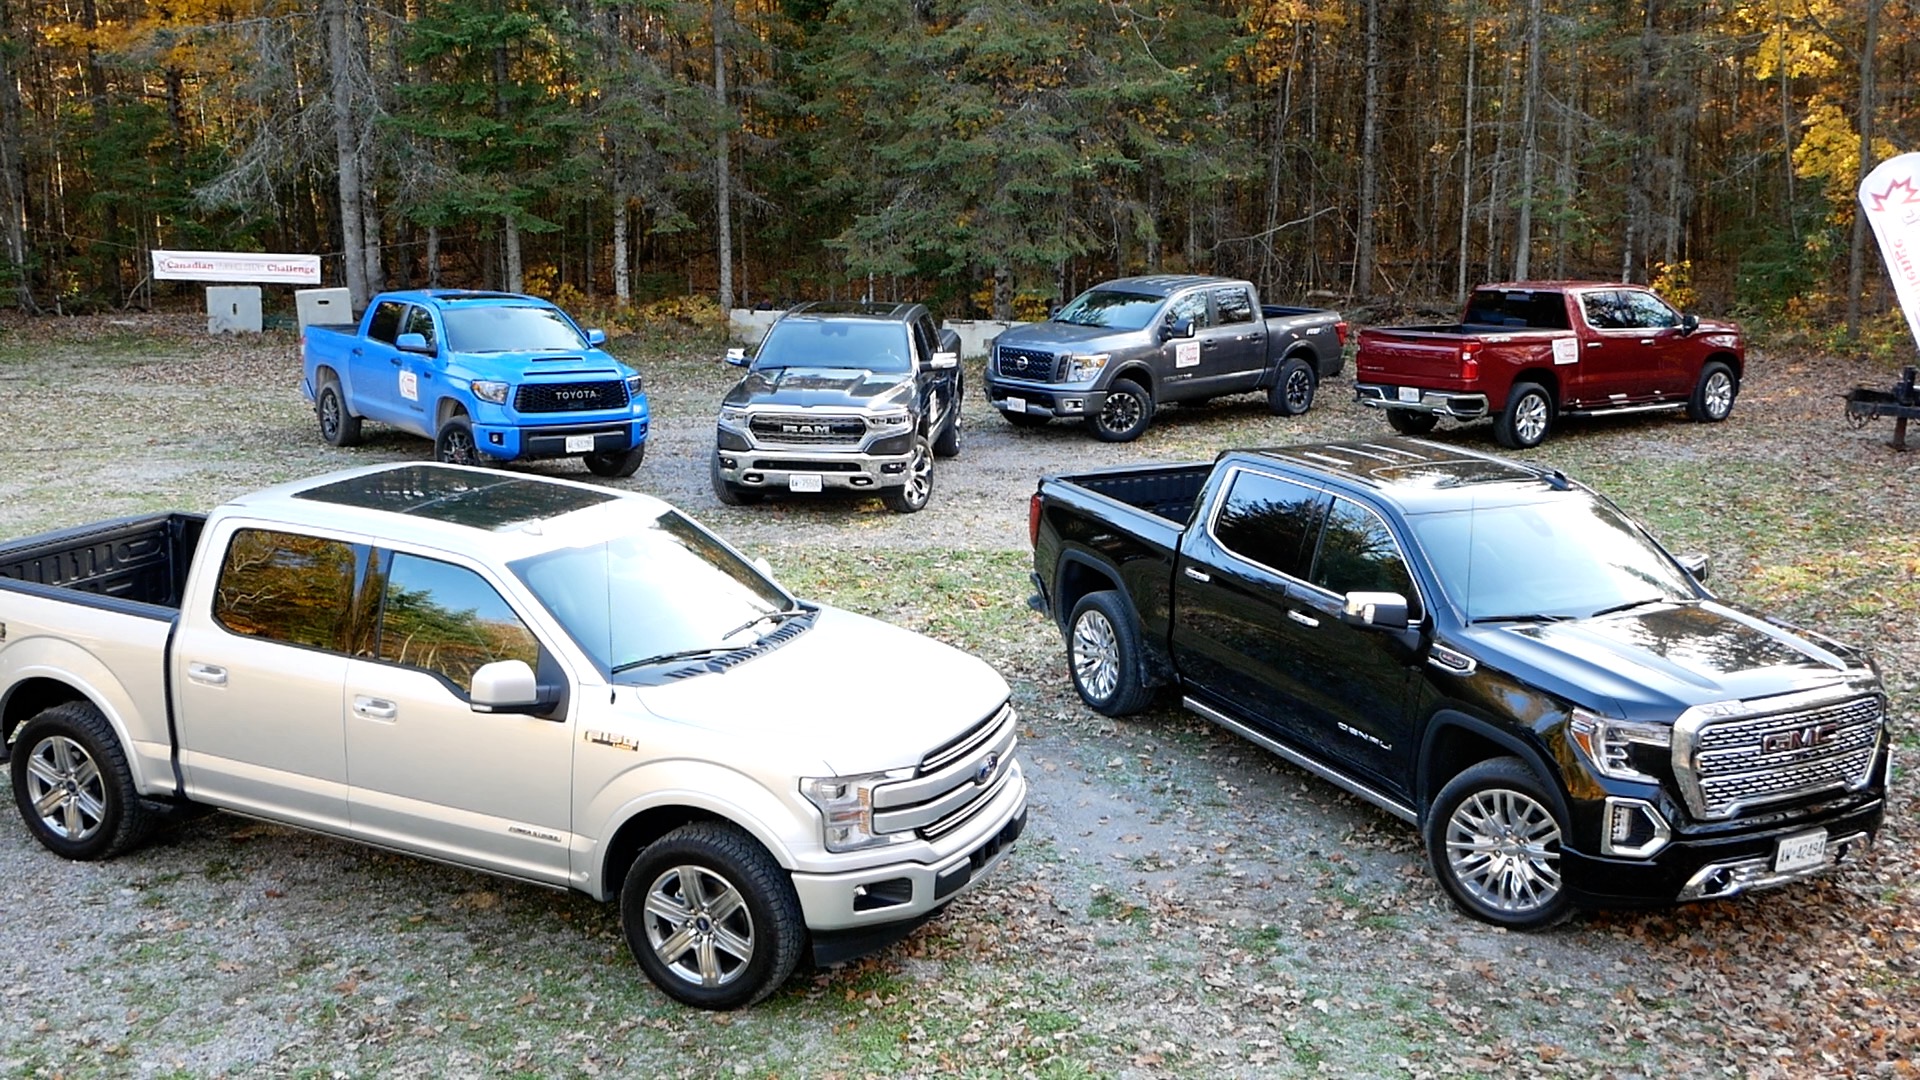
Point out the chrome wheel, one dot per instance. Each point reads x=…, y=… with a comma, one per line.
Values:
x=1530, y=418
x=919, y=487
x=1503, y=848
x=698, y=926
x=1718, y=395
x=1096, y=655
x=66, y=789
x=1120, y=412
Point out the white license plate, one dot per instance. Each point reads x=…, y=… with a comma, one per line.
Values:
x=1409, y=393
x=803, y=482
x=1802, y=852
x=1015, y=404
x=579, y=444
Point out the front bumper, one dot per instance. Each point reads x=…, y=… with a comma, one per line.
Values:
x=514, y=442
x=1047, y=400
x=1459, y=405
x=777, y=470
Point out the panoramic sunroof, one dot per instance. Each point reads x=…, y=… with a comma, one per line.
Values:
x=457, y=496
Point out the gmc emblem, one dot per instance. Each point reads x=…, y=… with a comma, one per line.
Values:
x=806, y=429
x=1805, y=738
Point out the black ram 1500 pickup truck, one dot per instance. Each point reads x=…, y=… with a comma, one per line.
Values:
x=1483, y=648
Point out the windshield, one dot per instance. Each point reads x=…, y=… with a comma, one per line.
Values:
x=1112, y=309
x=1569, y=557
x=666, y=589
x=509, y=328
x=859, y=344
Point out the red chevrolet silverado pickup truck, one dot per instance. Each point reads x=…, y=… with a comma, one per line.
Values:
x=1529, y=352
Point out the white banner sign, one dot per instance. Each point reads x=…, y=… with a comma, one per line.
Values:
x=243, y=266
x=1890, y=195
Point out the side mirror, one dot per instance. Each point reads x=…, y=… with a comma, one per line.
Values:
x=737, y=356
x=1696, y=565
x=505, y=686
x=1181, y=327
x=413, y=343
x=943, y=360
x=596, y=338
x=1689, y=323
x=1381, y=610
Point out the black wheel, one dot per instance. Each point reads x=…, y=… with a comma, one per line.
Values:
x=337, y=426
x=730, y=494
x=1528, y=417
x=711, y=917
x=1292, y=393
x=1494, y=842
x=1712, y=399
x=1411, y=422
x=1125, y=413
x=73, y=786
x=1103, y=652
x=454, y=444
x=911, y=497
x=1025, y=419
x=619, y=465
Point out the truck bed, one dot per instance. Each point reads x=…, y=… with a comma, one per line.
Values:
x=139, y=559
x=1165, y=491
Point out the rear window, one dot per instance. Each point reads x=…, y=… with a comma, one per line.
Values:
x=1518, y=308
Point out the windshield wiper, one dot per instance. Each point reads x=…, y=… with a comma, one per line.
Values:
x=1529, y=617
x=776, y=616
x=669, y=657
x=1629, y=605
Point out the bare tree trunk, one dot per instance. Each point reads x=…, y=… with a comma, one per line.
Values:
x=97, y=107
x=722, y=158
x=433, y=256
x=370, y=235
x=347, y=152
x=1639, y=238
x=1369, y=156
x=13, y=174
x=1002, y=293
x=1786, y=132
x=515, y=279
x=1466, y=168
x=622, y=273
x=1857, y=253
x=1529, y=147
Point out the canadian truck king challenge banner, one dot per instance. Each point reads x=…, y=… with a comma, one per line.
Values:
x=1890, y=196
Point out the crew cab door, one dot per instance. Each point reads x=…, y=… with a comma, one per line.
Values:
x=418, y=371
x=374, y=366
x=1241, y=337
x=939, y=387
x=1664, y=349
x=428, y=774
x=1619, y=363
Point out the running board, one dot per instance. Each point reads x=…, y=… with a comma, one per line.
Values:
x=1339, y=779
x=1622, y=410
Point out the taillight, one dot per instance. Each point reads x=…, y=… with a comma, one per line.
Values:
x=1340, y=332
x=1470, y=360
x=1033, y=520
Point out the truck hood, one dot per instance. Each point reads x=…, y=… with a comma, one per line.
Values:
x=855, y=693
x=541, y=365
x=1654, y=663
x=800, y=387
x=1058, y=337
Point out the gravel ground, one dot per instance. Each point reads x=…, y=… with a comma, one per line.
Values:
x=1182, y=904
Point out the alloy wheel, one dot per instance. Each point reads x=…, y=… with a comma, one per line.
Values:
x=1096, y=655
x=698, y=925
x=1719, y=395
x=66, y=788
x=1503, y=847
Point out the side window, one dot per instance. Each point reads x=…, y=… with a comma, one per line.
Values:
x=420, y=321
x=1191, y=306
x=1233, y=304
x=1270, y=521
x=448, y=620
x=386, y=321
x=1358, y=554
x=923, y=339
x=286, y=587
x=1646, y=310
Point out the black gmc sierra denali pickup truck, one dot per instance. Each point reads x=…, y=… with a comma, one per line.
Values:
x=1483, y=648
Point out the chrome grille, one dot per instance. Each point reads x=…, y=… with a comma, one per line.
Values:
x=803, y=430
x=953, y=783
x=1751, y=761
x=570, y=397
x=1025, y=363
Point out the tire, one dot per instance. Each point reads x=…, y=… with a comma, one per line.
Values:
x=1493, y=840
x=1712, y=399
x=947, y=443
x=1103, y=654
x=730, y=494
x=1125, y=413
x=1022, y=419
x=73, y=787
x=1527, y=419
x=912, y=496
x=711, y=874
x=1292, y=393
x=454, y=444
x=338, y=427
x=618, y=466
x=1409, y=422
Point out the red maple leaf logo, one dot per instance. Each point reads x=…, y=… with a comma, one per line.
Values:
x=1904, y=187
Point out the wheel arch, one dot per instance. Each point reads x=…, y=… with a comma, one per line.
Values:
x=1733, y=363
x=56, y=672
x=1456, y=741
x=446, y=409
x=1546, y=378
x=1136, y=371
x=28, y=698
x=1077, y=576
x=658, y=805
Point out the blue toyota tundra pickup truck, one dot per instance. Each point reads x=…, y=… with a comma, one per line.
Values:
x=487, y=376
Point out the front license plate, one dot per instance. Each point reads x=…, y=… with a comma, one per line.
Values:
x=1802, y=852
x=803, y=482
x=579, y=444
x=1015, y=404
x=1409, y=393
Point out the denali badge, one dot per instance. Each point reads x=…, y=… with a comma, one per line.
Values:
x=987, y=768
x=1805, y=738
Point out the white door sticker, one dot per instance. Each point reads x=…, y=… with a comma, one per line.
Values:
x=409, y=385
x=1186, y=354
x=1566, y=350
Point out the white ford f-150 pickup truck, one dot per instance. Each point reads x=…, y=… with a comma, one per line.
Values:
x=546, y=680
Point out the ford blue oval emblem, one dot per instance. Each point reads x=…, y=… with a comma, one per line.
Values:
x=987, y=768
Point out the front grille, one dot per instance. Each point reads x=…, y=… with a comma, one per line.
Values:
x=799, y=465
x=953, y=783
x=1751, y=761
x=801, y=430
x=1025, y=364
x=570, y=397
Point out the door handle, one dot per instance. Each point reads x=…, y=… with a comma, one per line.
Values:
x=1646, y=341
x=1303, y=620
x=394, y=360
x=1197, y=574
x=374, y=708
x=1595, y=344
x=208, y=674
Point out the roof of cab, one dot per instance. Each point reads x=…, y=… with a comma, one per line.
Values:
x=1164, y=284
x=460, y=297
x=853, y=309
x=1417, y=474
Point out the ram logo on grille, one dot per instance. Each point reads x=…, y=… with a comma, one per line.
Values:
x=1804, y=738
x=806, y=429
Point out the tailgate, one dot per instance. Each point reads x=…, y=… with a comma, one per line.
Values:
x=1417, y=358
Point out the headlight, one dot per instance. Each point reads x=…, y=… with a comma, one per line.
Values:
x=891, y=420
x=635, y=387
x=1084, y=367
x=489, y=390
x=1621, y=749
x=846, y=804
x=731, y=415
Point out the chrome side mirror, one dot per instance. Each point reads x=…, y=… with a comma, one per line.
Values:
x=1382, y=610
